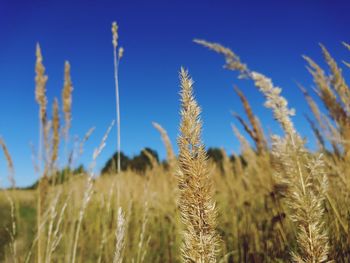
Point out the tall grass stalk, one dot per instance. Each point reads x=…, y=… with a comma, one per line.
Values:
x=40, y=96
x=116, y=60
x=302, y=173
x=120, y=237
x=170, y=155
x=198, y=212
x=88, y=191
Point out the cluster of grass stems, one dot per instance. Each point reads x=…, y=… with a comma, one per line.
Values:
x=275, y=201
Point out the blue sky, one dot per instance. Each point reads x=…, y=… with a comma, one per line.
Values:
x=157, y=36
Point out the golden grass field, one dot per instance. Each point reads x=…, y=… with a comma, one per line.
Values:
x=276, y=201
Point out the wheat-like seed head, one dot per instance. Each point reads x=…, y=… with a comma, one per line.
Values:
x=102, y=145
x=347, y=46
x=313, y=106
x=67, y=98
x=115, y=34
x=167, y=143
x=304, y=199
x=197, y=207
x=322, y=82
x=56, y=131
x=256, y=132
x=337, y=80
x=120, y=53
x=10, y=166
x=306, y=195
x=274, y=101
x=151, y=158
x=85, y=139
x=120, y=237
x=40, y=82
x=88, y=190
x=245, y=146
x=233, y=61
x=277, y=103
x=336, y=110
x=317, y=133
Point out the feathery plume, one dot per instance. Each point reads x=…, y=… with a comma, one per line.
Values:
x=167, y=143
x=120, y=237
x=196, y=203
x=326, y=93
x=304, y=175
x=120, y=53
x=256, y=131
x=85, y=139
x=115, y=34
x=337, y=80
x=10, y=166
x=274, y=101
x=336, y=109
x=67, y=99
x=40, y=82
x=56, y=133
x=151, y=158
x=307, y=187
x=233, y=62
x=347, y=46
x=331, y=133
x=313, y=106
x=41, y=99
x=318, y=135
x=142, y=244
x=88, y=190
x=245, y=146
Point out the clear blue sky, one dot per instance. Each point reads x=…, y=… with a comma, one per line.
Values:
x=270, y=36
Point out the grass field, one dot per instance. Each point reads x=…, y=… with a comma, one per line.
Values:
x=276, y=201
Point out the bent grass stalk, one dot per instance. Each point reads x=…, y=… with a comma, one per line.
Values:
x=167, y=143
x=303, y=174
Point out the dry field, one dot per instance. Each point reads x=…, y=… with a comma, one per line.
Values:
x=275, y=201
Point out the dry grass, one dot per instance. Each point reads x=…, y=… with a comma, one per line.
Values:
x=268, y=203
x=67, y=99
x=196, y=202
x=170, y=155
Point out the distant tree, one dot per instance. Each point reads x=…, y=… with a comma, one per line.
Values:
x=79, y=170
x=61, y=176
x=141, y=162
x=111, y=164
x=215, y=155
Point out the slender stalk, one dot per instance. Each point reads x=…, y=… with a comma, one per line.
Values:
x=40, y=97
x=116, y=66
x=88, y=191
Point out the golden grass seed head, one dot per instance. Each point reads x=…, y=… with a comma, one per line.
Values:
x=40, y=82
x=120, y=52
x=67, y=97
x=115, y=34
